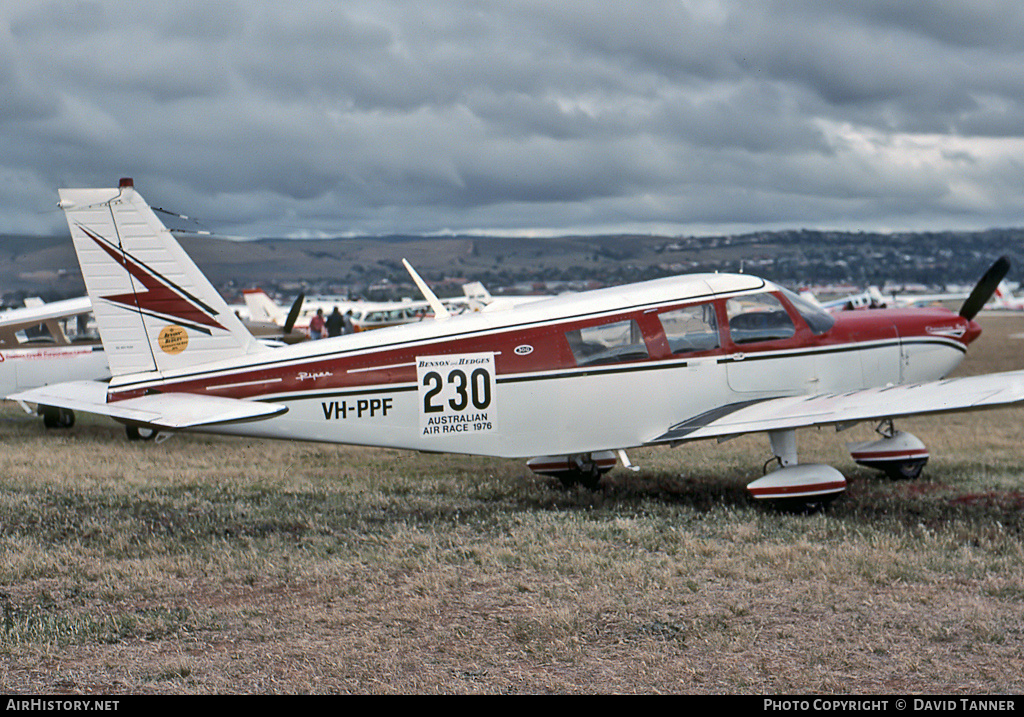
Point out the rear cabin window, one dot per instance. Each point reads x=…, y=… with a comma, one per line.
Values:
x=758, y=317
x=607, y=343
x=690, y=329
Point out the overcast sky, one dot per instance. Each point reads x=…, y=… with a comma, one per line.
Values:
x=269, y=118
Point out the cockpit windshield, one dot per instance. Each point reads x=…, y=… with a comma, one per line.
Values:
x=816, y=317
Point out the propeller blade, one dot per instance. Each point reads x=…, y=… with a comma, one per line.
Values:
x=293, y=315
x=984, y=289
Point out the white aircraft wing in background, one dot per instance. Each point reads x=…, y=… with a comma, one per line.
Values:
x=48, y=343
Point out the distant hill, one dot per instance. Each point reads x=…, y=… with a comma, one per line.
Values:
x=46, y=266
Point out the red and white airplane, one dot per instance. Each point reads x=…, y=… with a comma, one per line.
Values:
x=571, y=381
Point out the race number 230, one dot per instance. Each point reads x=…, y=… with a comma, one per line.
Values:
x=456, y=394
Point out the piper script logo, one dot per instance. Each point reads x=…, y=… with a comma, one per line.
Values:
x=173, y=340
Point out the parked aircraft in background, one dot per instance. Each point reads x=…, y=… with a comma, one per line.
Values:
x=873, y=298
x=50, y=343
x=571, y=382
x=1004, y=300
x=366, y=315
x=369, y=315
x=270, y=319
x=870, y=298
x=913, y=299
x=265, y=310
x=480, y=299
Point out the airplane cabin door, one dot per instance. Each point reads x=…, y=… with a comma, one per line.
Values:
x=882, y=363
x=760, y=362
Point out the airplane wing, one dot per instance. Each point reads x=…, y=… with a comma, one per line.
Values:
x=925, y=299
x=790, y=412
x=441, y=313
x=162, y=410
x=32, y=315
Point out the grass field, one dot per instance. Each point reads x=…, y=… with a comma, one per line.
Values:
x=221, y=565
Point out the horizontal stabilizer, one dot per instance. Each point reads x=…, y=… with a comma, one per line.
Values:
x=774, y=414
x=161, y=410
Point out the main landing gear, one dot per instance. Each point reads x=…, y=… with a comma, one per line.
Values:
x=54, y=417
x=583, y=469
x=806, y=487
x=898, y=454
x=140, y=433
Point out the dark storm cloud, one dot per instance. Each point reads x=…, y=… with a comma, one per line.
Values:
x=386, y=116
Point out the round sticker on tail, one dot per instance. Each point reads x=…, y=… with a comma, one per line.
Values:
x=173, y=340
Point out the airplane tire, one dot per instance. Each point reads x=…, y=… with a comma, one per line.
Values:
x=906, y=470
x=588, y=478
x=137, y=433
x=54, y=417
x=804, y=506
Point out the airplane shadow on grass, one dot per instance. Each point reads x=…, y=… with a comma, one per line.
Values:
x=933, y=503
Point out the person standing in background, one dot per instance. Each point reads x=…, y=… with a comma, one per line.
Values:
x=335, y=323
x=316, y=325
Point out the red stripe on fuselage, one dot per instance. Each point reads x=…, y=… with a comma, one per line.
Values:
x=889, y=455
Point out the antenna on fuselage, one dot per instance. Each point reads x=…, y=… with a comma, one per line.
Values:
x=440, y=312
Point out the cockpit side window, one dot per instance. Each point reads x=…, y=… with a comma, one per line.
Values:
x=691, y=328
x=758, y=317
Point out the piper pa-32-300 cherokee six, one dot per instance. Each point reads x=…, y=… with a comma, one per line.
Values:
x=571, y=381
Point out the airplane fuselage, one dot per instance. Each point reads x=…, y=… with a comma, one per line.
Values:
x=49, y=343
x=29, y=366
x=598, y=370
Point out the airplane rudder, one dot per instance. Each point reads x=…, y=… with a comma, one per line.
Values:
x=156, y=310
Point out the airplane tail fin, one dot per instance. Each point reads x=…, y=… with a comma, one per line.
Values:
x=477, y=294
x=154, y=308
x=262, y=308
x=1003, y=297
